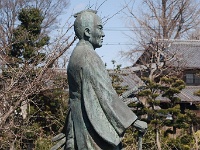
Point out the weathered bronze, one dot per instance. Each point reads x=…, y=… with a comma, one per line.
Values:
x=97, y=117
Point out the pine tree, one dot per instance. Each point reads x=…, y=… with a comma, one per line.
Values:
x=171, y=86
x=155, y=117
x=27, y=38
x=167, y=87
x=117, y=80
x=46, y=105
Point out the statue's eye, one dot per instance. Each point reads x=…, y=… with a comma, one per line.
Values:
x=100, y=27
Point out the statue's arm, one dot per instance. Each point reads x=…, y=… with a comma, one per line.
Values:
x=141, y=126
x=61, y=141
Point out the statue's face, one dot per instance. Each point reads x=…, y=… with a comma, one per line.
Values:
x=96, y=32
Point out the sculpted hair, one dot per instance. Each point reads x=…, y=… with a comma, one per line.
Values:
x=83, y=20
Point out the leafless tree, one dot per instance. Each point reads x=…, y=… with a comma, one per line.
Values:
x=164, y=19
x=51, y=11
x=159, y=59
x=17, y=85
x=161, y=20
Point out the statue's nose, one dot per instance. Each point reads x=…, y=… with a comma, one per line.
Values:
x=103, y=35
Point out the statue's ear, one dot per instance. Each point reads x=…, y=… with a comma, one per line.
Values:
x=87, y=32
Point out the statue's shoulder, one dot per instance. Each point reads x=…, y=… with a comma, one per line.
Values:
x=82, y=55
x=84, y=50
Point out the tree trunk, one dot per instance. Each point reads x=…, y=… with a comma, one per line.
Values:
x=158, y=139
x=195, y=138
x=174, y=132
x=12, y=146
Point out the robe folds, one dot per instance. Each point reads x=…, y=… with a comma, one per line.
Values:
x=97, y=117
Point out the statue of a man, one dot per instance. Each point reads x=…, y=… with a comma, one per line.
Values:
x=97, y=118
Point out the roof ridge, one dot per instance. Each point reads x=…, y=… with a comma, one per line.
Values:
x=178, y=41
x=192, y=86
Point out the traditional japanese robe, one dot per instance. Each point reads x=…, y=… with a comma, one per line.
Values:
x=97, y=117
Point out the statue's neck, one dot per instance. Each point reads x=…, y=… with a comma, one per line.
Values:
x=82, y=41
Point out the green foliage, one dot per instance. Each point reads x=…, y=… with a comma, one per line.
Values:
x=167, y=87
x=150, y=93
x=27, y=38
x=144, y=92
x=183, y=142
x=130, y=138
x=31, y=20
x=43, y=143
x=116, y=80
x=149, y=139
x=116, y=83
x=46, y=116
x=197, y=93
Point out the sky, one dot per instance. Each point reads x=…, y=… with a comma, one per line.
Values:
x=115, y=29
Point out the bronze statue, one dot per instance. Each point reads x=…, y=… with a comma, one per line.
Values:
x=97, y=117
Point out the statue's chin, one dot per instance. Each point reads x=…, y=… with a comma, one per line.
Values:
x=97, y=46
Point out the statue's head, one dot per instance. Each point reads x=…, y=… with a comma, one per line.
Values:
x=88, y=26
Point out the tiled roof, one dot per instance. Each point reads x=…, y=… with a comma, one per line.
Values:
x=129, y=78
x=187, y=52
x=162, y=99
x=187, y=94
